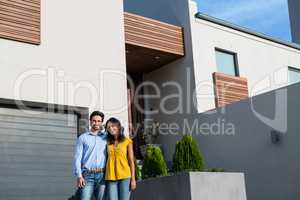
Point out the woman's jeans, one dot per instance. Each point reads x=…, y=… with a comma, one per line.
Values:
x=94, y=184
x=118, y=190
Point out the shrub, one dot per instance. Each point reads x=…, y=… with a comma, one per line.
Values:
x=187, y=156
x=138, y=170
x=154, y=163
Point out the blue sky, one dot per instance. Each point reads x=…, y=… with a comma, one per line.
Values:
x=266, y=16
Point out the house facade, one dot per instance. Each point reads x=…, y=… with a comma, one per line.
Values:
x=140, y=61
x=223, y=63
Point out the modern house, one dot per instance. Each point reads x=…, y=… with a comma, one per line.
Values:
x=294, y=7
x=160, y=61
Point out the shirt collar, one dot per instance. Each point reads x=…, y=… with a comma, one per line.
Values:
x=100, y=133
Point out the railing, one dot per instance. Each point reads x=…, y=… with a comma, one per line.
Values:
x=153, y=34
x=229, y=89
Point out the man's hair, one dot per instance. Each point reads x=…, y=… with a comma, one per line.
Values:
x=97, y=113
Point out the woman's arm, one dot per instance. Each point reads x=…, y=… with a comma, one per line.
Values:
x=132, y=166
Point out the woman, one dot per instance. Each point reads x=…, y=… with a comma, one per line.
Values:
x=120, y=169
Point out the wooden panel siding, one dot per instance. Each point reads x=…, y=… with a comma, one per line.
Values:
x=20, y=20
x=229, y=89
x=153, y=34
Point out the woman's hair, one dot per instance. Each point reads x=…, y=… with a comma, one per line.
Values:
x=110, y=137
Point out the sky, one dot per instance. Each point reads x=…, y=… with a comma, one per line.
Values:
x=270, y=17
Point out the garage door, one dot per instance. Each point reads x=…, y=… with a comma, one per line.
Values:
x=36, y=151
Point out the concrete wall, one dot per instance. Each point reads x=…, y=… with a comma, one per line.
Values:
x=238, y=139
x=213, y=186
x=79, y=42
x=263, y=62
x=163, y=188
x=294, y=9
x=193, y=186
x=271, y=170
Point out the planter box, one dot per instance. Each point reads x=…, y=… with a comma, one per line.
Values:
x=193, y=186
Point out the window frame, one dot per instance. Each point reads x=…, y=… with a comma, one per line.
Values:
x=235, y=57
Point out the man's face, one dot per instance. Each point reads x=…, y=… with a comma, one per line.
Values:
x=96, y=123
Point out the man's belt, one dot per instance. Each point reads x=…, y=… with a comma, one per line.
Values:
x=96, y=170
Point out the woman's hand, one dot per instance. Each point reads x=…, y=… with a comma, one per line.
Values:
x=132, y=184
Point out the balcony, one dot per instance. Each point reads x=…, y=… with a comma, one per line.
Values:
x=229, y=89
x=150, y=43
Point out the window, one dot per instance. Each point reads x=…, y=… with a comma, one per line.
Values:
x=294, y=75
x=227, y=62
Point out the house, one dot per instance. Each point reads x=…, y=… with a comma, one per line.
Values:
x=140, y=61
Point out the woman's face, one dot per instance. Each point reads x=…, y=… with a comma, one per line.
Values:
x=113, y=129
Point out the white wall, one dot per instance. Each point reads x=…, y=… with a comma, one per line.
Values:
x=263, y=62
x=80, y=41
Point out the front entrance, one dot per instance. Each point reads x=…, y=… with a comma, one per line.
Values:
x=135, y=112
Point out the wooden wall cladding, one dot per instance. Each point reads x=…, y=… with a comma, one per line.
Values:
x=153, y=34
x=229, y=89
x=20, y=20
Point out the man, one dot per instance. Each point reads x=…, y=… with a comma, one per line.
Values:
x=90, y=159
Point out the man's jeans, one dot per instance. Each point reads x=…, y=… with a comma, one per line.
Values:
x=118, y=190
x=94, y=184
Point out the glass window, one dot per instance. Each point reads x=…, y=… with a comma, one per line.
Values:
x=226, y=63
x=294, y=75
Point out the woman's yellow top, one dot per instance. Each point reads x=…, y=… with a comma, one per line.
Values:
x=117, y=166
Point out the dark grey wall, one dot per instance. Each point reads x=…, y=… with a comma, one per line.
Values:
x=166, y=11
x=164, y=188
x=272, y=171
x=294, y=9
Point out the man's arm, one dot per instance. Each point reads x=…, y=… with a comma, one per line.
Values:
x=78, y=157
x=77, y=162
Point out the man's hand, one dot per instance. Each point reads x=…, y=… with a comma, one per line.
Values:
x=80, y=182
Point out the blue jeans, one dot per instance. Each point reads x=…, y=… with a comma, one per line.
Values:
x=94, y=184
x=118, y=190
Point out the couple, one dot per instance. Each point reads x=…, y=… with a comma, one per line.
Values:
x=104, y=161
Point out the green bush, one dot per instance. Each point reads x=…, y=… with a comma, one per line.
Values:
x=187, y=156
x=154, y=163
x=138, y=170
x=216, y=170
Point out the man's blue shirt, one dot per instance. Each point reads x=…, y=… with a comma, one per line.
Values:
x=90, y=152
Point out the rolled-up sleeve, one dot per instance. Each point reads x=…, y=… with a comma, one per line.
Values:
x=78, y=157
